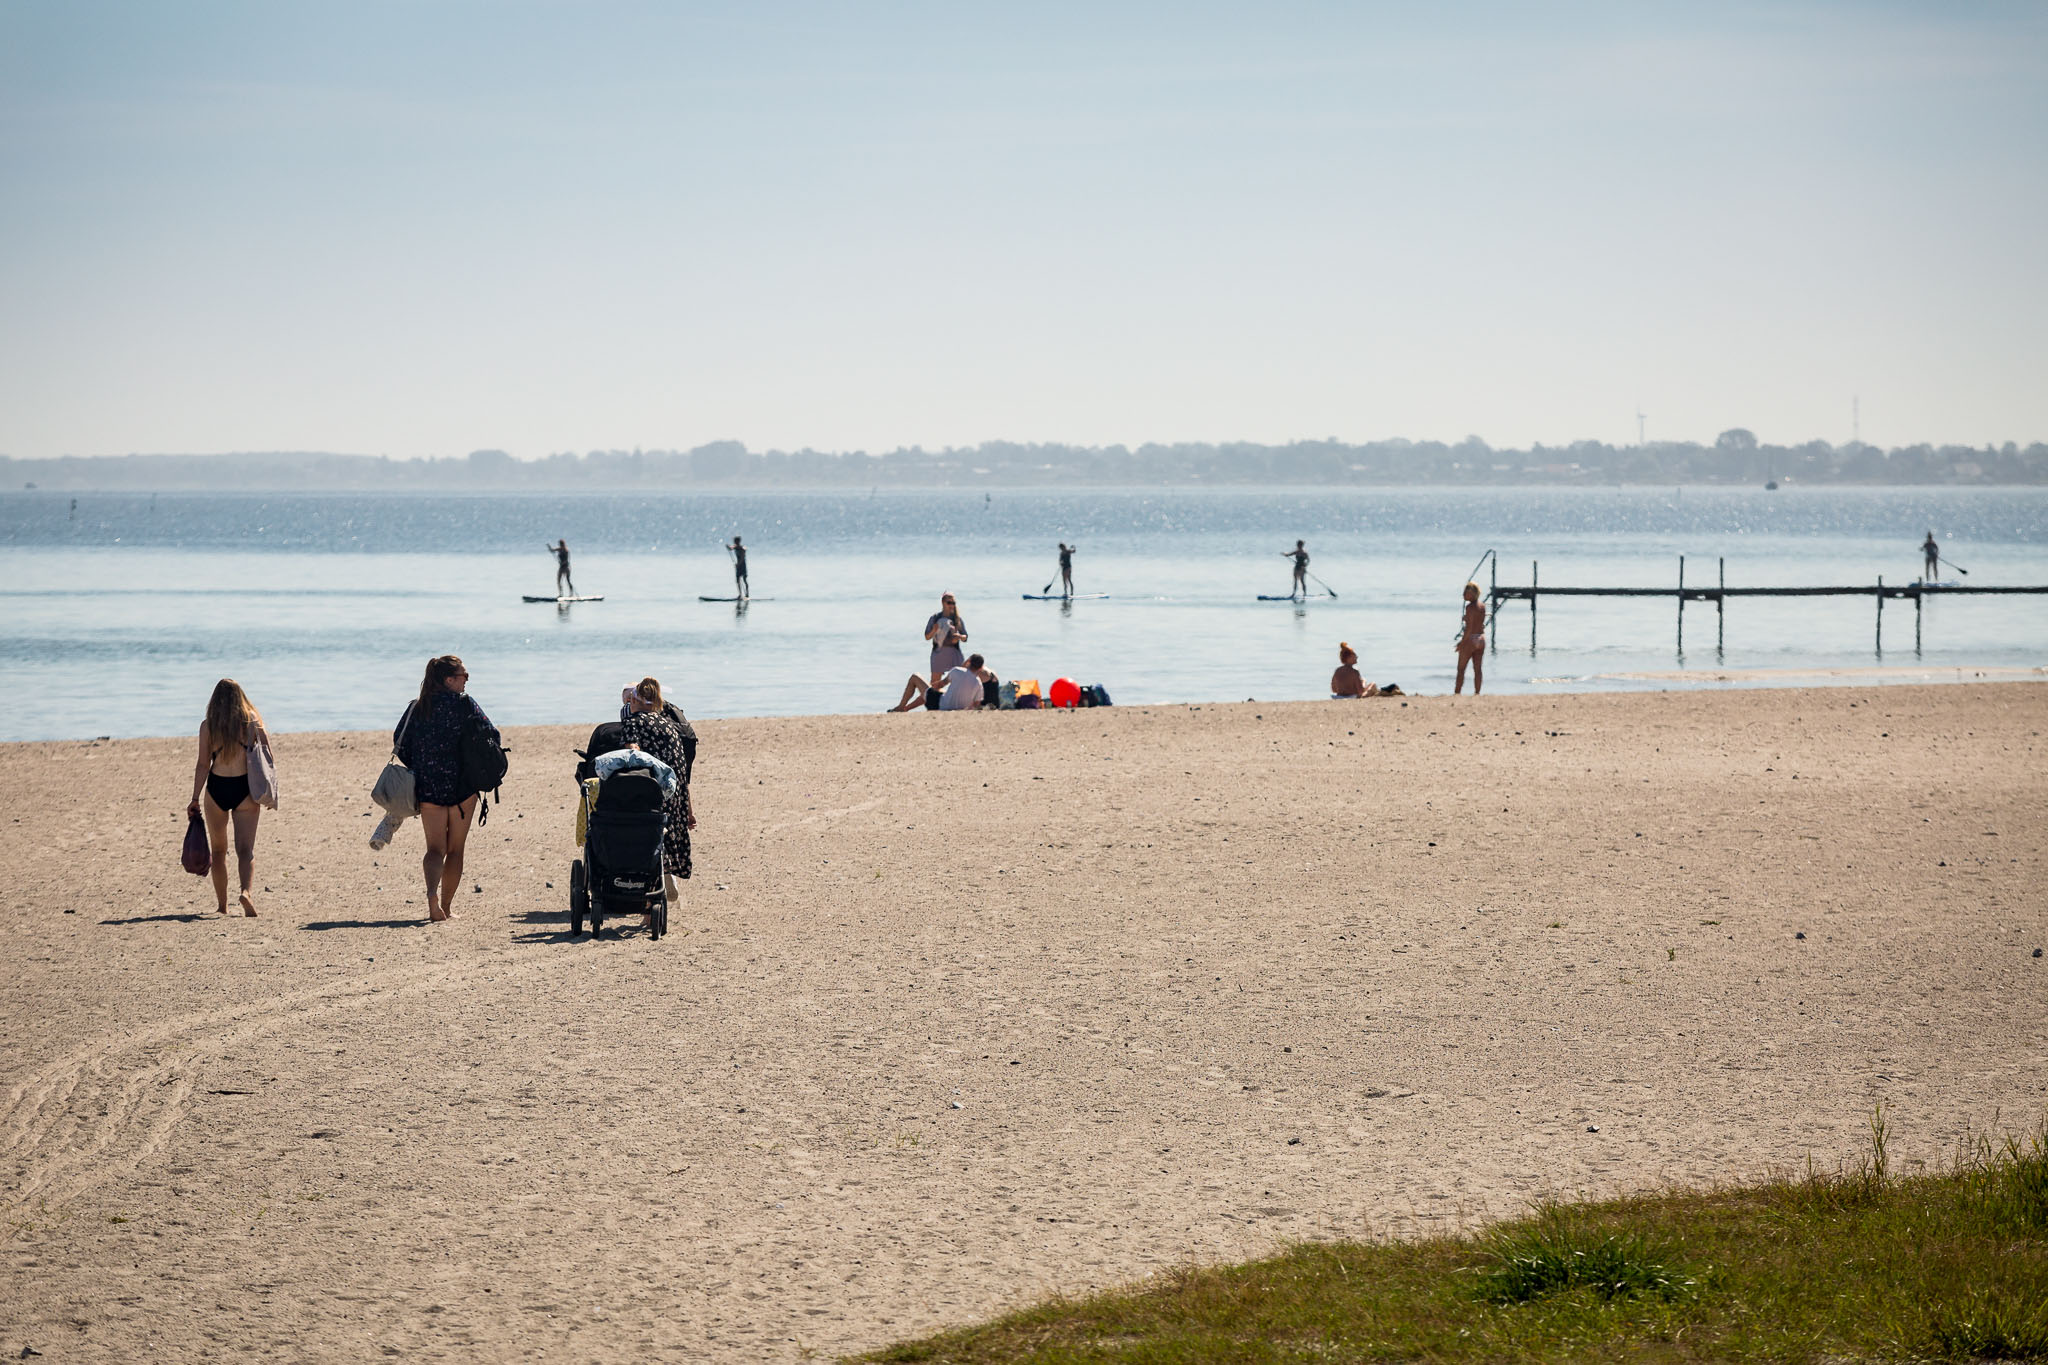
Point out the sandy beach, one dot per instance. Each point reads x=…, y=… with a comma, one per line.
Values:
x=963, y=1009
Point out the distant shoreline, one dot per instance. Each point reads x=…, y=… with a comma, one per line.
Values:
x=1736, y=458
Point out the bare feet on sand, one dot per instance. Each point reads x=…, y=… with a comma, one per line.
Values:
x=248, y=906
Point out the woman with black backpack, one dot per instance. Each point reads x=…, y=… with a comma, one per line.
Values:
x=430, y=739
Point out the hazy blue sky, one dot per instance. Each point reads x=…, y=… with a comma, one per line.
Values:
x=422, y=227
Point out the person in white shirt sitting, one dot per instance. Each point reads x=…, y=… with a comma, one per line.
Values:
x=966, y=687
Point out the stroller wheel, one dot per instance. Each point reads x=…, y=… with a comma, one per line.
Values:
x=579, y=896
x=661, y=918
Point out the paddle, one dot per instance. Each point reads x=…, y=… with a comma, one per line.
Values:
x=1957, y=567
x=1324, y=586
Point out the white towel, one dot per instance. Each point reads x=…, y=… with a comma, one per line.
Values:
x=386, y=827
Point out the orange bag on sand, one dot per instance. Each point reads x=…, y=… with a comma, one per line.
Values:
x=1028, y=696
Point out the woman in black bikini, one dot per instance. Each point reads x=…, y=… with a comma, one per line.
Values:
x=222, y=775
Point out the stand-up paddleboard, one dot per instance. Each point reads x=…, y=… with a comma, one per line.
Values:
x=1064, y=597
x=598, y=598
x=702, y=598
x=1280, y=597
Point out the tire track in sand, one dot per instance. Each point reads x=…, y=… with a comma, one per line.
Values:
x=831, y=815
x=108, y=1105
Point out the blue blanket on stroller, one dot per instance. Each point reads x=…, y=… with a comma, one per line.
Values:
x=617, y=759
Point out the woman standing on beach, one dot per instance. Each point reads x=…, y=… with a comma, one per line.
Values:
x=658, y=728
x=947, y=632
x=428, y=740
x=231, y=730
x=1471, y=641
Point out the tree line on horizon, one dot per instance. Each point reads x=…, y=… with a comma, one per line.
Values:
x=1736, y=457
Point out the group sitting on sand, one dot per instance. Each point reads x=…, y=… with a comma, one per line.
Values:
x=955, y=683
x=969, y=686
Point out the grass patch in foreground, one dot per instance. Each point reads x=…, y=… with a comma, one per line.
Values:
x=1851, y=1265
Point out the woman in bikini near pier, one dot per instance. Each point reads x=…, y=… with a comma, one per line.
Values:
x=1471, y=641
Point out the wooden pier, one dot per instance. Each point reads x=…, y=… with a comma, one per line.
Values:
x=1720, y=592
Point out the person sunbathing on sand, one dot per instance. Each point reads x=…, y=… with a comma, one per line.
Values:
x=1346, y=682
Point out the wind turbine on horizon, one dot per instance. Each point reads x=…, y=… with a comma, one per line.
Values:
x=1639, y=424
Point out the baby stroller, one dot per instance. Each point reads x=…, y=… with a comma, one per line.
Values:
x=620, y=870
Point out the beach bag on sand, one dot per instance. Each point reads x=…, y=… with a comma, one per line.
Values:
x=197, y=857
x=394, y=787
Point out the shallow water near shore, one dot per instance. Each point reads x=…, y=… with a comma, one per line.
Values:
x=122, y=612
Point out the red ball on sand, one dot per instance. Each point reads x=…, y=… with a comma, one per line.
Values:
x=1065, y=692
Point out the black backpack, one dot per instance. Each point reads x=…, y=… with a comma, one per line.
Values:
x=483, y=762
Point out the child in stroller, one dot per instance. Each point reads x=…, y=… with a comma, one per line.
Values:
x=619, y=823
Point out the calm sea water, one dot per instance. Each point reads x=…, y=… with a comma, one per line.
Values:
x=120, y=614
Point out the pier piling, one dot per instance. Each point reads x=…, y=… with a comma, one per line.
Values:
x=1681, y=606
x=1493, y=606
x=1721, y=607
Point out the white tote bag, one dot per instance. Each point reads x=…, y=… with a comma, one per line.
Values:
x=394, y=788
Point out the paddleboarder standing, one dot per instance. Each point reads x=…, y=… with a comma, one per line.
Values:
x=1931, y=554
x=1066, y=569
x=740, y=586
x=1299, y=554
x=564, y=585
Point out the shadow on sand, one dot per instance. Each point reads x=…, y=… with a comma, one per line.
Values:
x=618, y=927
x=192, y=918
x=420, y=923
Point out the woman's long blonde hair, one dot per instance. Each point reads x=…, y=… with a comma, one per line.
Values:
x=230, y=716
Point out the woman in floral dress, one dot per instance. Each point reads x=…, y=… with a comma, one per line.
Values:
x=658, y=728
